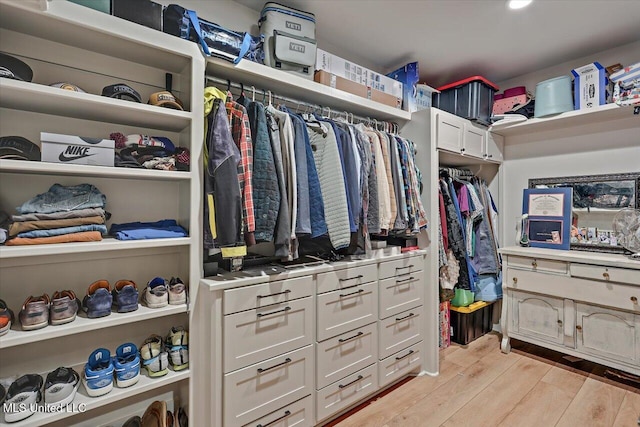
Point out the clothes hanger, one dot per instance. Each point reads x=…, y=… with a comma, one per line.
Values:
x=253, y=93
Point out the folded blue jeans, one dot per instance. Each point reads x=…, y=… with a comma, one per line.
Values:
x=64, y=230
x=64, y=198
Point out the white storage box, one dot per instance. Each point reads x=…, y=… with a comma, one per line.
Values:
x=78, y=150
x=423, y=96
x=589, y=86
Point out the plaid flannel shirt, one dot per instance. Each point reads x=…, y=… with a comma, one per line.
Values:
x=241, y=133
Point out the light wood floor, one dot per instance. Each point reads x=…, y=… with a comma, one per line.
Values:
x=480, y=386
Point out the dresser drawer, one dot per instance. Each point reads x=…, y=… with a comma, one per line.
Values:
x=345, y=310
x=298, y=414
x=606, y=274
x=249, y=297
x=338, y=396
x=535, y=264
x=345, y=354
x=254, y=335
x=400, y=331
x=399, y=364
x=257, y=390
x=597, y=292
x=401, y=293
x=346, y=278
x=402, y=266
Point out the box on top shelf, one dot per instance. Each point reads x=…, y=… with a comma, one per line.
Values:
x=409, y=76
x=143, y=12
x=78, y=150
x=424, y=95
x=589, y=86
x=471, y=98
x=340, y=67
x=338, y=82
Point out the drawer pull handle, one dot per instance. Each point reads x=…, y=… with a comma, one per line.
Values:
x=405, y=317
x=579, y=328
x=277, y=293
x=359, y=276
x=634, y=300
x=410, y=266
x=534, y=264
x=359, y=291
x=350, y=338
x=515, y=280
x=352, y=382
x=286, y=414
x=606, y=276
x=405, y=280
x=406, y=355
x=261, y=370
x=274, y=312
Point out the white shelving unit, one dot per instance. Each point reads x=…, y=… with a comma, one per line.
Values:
x=66, y=42
x=293, y=86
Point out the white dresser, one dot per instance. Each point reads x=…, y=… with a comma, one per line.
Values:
x=580, y=303
x=300, y=347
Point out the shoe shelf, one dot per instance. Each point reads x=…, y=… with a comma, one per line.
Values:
x=106, y=245
x=83, y=324
x=293, y=86
x=39, y=98
x=87, y=403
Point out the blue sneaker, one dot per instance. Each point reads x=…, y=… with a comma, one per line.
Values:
x=97, y=302
x=126, y=363
x=98, y=373
x=125, y=296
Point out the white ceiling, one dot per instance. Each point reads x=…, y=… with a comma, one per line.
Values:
x=455, y=39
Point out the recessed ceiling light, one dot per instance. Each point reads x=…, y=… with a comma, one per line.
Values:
x=518, y=4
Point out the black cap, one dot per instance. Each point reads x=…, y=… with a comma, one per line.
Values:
x=13, y=68
x=18, y=148
x=121, y=91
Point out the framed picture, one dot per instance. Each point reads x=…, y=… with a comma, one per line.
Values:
x=549, y=217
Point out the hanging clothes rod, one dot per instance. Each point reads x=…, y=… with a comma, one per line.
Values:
x=350, y=117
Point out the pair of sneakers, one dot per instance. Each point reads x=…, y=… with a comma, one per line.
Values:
x=100, y=298
x=101, y=369
x=160, y=293
x=38, y=312
x=25, y=393
x=157, y=354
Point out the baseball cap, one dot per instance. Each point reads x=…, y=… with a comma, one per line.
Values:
x=121, y=91
x=67, y=86
x=13, y=68
x=18, y=148
x=165, y=99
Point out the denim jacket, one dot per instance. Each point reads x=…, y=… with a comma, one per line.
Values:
x=62, y=198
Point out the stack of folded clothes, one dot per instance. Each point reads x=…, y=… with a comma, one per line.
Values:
x=62, y=214
x=149, y=152
x=166, y=228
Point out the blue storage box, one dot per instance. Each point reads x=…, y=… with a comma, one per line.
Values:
x=409, y=77
x=590, y=84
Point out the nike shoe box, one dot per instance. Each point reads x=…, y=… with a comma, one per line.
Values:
x=76, y=150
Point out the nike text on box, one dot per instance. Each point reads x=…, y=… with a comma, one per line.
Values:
x=78, y=150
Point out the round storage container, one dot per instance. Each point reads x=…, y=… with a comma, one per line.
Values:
x=553, y=96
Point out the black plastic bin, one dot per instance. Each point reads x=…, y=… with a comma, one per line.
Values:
x=472, y=322
x=470, y=98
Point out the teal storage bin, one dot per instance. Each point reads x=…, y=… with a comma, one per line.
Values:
x=553, y=96
x=99, y=5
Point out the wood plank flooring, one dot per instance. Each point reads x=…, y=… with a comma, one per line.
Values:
x=480, y=386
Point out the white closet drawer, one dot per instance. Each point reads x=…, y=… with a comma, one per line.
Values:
x=401, y=293
x=534, y=264
x=399, y=364
x=400, y=331
x=345, y=354
x=249, y=297
x=338, y=396
x=257, y=390
x=255, y=335
x=298, y=414
x=344, y=310
x=346, y=278
x=400, y=267
x=606, y=274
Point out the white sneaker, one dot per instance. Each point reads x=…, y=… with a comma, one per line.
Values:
x=156, y=293
x=177, y=291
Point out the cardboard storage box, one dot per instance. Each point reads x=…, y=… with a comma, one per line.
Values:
x=77, y=150
x=340, y=67
x=408, y=76
x=471, y=322
x=338, y=82
x=589, y=86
